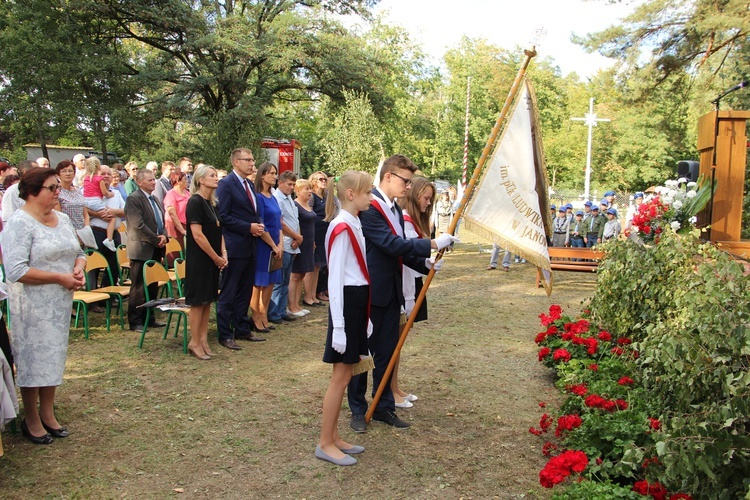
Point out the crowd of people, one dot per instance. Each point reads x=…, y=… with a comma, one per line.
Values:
x=263, y=246
x=594, y=224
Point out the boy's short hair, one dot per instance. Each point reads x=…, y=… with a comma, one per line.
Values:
x=397, y=162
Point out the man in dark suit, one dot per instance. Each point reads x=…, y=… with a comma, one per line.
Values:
x=240, y=224
x=387, y=251
x=147, y=238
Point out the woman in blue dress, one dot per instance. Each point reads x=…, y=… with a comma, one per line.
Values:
x=268, y=247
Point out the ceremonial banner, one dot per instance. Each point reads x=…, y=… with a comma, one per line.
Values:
x=509, y=206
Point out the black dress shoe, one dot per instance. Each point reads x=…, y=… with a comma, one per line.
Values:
x=158, y=324
x=46, y=439
x=390, y=418
x=277, y=321
x=136, y=328
x=249, y=337
x=62, y=432
x=271, y=327
x=289, y=317
x=230, y=344
x=259, y=330
x=97, y=309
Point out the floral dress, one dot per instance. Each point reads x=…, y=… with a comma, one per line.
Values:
x=40, y=313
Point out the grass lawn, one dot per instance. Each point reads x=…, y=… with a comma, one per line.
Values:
x=155, y=423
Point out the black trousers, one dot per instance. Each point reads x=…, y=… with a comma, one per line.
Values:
x=136, y=316
x=100, y=234
x=234, y=298
x=382, y=343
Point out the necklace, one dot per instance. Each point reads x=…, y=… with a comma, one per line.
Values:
x=46, y=219
x=213, y=212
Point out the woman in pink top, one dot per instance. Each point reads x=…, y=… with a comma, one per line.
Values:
x=175, y=204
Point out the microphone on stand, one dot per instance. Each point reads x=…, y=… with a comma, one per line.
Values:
x=733, y=89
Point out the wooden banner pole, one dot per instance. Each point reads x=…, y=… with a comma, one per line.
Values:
x=454, y=222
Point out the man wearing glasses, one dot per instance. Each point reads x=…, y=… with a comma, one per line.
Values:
x=387, y=251
x=240, y=225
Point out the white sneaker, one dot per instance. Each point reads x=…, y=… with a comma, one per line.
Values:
x=110, y=244
x=404, y=404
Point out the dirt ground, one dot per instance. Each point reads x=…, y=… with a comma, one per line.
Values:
x=156, y=423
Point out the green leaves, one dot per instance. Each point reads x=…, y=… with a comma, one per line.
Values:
x=688, y=312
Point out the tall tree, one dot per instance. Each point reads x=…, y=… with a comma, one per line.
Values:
x=354, y=137
x=62, y=69
x=223, y=63
x=672, y=41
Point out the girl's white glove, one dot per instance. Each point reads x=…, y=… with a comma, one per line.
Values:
x=339, y=340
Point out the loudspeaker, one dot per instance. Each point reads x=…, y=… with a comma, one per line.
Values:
x=688, y=169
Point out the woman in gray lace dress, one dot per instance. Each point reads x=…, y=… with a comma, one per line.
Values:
x=44, y=265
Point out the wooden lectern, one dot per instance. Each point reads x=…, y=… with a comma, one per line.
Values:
x=731, y=162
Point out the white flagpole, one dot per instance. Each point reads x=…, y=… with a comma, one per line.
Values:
x=466, y=133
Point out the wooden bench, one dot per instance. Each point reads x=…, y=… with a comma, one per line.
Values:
x=561, y=259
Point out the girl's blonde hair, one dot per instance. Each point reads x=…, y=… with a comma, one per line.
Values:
x=199, y=174
x=91, y=165
x=357, y=181
x=410, y=203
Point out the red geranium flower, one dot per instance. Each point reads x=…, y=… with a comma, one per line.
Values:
x=569, y=336
x=591, y=346
x=555, y=311
x=545, y=422
x=567, y=423
x=624, y=341
x=544, y=352
x=617, y=351
x=655, y=490
x=621, y=404
x=593, y=367
x=605, y=336
x=561, y=354
x=561, y=466
x=535, y=432
x=625, y=381
x=578, y=389
x=654, y=423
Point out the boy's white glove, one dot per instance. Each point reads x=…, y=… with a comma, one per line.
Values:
x=339, y=340
x=445, y=240
x=409, y=305
x=430, y=263
x=369, y=328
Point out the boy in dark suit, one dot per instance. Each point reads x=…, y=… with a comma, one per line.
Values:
x=387, y=250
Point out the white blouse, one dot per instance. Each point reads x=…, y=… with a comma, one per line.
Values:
x=343, y=266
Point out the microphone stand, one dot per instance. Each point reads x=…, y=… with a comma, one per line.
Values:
x=717, y=102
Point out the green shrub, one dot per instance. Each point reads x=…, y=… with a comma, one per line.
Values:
x=687, y=304
x=596, y=490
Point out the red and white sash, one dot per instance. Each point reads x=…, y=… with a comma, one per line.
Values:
x=392, y=219
x=358, y=253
